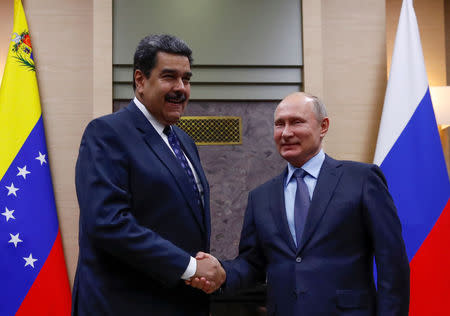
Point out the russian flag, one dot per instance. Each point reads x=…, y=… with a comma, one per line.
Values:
x=33, y=277
x=410, y=154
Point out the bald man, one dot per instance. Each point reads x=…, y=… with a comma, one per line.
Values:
x=313, y=231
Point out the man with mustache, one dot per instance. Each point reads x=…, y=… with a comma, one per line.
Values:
x=313, y=231
x=144, y=198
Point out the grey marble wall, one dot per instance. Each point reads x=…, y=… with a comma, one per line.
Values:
x=234, y=170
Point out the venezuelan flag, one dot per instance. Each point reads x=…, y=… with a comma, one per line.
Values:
x=410, y=154
x=33, y=277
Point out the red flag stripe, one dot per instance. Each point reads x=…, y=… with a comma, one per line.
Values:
x=430, y=271
x=50, y=292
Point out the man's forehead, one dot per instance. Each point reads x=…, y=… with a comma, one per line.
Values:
x=170, y=70
x=294, y=106
x=164, y=59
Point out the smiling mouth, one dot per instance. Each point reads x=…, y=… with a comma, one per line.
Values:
x=176, y=98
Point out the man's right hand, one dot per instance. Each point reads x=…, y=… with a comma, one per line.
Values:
x=209, y=275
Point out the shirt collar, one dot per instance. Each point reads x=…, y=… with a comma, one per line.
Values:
x=312, y=166
x=156, y=125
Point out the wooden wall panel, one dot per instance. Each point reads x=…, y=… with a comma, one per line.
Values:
x=313, y=47
x=430, y=18
x=61, y=32
x=345, y=64
x=73, y=50
x=102, y=63
x=6, y=25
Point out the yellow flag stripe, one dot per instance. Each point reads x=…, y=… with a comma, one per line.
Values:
x=20, y=107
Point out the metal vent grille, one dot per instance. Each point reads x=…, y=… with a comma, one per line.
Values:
x=213, y=130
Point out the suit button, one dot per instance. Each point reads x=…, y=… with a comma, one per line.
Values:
x=298, y=259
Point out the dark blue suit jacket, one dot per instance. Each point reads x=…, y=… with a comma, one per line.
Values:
x=352, y=219
x=139, y=221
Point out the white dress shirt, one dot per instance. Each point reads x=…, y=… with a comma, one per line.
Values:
x=192, y=266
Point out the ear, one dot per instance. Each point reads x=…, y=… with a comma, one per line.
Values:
x=139, y=79
x=324, y=127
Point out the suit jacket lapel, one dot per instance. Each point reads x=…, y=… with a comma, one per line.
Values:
x=278, y=209
x=326, y=184
x=167, y=158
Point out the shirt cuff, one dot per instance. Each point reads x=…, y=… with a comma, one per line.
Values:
x=190, y=270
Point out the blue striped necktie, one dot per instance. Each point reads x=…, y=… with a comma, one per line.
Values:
x=176, y=147
x=301, y=204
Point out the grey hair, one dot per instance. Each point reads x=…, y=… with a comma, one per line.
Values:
x=318, y=106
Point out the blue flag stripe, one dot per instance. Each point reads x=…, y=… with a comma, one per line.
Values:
x=417, y=176
x=35, y=220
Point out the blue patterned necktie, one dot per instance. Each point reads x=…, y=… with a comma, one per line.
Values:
x=301, y=204
x=176, y=147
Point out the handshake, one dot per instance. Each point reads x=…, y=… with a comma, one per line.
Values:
x=209, y=275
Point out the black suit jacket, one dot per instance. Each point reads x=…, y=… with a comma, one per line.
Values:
x=139, y=222
x=351, y=220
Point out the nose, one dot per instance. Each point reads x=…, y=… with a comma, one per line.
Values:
x=286, y=131
x=179, y=86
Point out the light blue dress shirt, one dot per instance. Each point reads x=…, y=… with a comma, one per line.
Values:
x=312, y=167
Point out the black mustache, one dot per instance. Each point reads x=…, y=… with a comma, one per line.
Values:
x=175, y=97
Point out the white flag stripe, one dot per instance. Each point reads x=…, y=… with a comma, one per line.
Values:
x=406, y=85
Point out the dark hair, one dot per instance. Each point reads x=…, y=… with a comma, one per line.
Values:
x=149, y=46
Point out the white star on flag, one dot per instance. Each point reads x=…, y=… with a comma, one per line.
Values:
x=15, y=239
x=8, y=214
x=41, y=158
x=23, y=172
x=12, y=189
x=29, y=260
